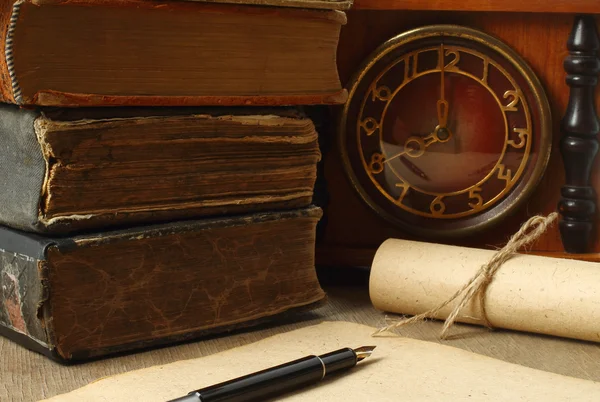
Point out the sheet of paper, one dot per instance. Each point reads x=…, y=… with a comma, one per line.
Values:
x=545, y=295
x=400, y=369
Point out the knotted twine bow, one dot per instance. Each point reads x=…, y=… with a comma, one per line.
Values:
x=477, y=285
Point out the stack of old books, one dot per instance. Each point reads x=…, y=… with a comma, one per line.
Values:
x=156, y=174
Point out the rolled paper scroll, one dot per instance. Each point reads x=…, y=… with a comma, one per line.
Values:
x=529, y=293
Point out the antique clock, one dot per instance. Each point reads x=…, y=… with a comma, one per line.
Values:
x=445, y=132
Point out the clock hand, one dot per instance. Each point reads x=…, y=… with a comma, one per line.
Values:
x=442, y=109
x=418, y=149
x=442, y=103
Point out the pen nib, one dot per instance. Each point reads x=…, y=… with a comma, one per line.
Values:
x=363, y=352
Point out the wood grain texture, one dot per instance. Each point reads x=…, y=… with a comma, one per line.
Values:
x=539, y=38
x=26, y=376
x=544, y=6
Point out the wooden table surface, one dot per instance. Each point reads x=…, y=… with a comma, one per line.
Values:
x=27, y=376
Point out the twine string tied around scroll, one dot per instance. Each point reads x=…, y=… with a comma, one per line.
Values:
x=477, y=285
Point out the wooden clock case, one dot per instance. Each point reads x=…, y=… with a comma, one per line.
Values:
x=539, y=32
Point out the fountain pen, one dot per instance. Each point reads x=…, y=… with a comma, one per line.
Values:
x=279, y=379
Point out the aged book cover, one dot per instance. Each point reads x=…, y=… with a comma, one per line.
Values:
x=80, y=169
x=177, y=53
x=97, y=294
x=319, y=4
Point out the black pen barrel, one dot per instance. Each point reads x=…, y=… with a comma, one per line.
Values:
x=339, y=360
x=276, y=380
x=269, y=382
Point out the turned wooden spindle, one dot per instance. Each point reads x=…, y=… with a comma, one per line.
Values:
x=579, y=144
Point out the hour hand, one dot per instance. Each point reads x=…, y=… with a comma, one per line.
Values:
x=415, y=146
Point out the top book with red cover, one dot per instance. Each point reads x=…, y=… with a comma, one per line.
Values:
x=170, y=53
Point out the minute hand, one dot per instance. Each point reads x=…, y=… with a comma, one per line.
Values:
x=442, y=104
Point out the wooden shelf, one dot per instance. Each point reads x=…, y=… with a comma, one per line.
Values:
x=541, y=6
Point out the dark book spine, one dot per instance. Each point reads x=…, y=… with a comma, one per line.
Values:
x=22, y=295
x=22, y=168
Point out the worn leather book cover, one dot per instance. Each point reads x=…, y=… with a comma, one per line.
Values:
x=69, y=170
x=318, y=4
x=177, y=53
x=92, y=295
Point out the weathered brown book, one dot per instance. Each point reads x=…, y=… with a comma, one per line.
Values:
x=160, y=53
x=319, y=4
x=80, y=169
x=88, y=296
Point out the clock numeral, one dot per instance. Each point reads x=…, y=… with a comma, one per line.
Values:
x=376, y=165
x=523, y=138
x=451, y=66
x=437, y=206
x=381, y=93
x=405, y=187
x=474, y=194
x=514, y=100
x=370, y=125
x=411, y=64
x=504, y=173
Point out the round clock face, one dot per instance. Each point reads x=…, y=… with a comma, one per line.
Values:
x=446, y=130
